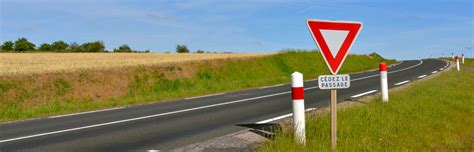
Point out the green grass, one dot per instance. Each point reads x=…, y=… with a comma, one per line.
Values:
x=151, y=85
x=432, y=115
x=468, y=62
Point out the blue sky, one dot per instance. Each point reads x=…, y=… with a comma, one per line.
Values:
x=401, y=30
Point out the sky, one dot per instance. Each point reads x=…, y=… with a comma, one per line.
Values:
x=397, y=30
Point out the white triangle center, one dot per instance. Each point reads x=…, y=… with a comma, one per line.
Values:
x=334, y=39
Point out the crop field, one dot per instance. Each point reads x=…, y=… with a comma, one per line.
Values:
x=28, y=63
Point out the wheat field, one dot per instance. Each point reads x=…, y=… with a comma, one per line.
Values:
x=36, y=63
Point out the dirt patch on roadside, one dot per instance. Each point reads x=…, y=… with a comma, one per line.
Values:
x=243, y=141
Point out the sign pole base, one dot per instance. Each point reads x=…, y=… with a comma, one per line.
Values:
x=333, y=118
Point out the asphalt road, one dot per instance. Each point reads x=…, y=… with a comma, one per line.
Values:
x=169, y=125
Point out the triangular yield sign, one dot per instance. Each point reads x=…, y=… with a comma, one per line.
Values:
x=334, y=39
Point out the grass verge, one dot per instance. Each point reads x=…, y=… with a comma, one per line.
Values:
x=436, y=114
x=468, y=62
x=28, y=96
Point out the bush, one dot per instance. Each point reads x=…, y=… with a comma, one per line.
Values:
x=97, y=46
x=123, y=48
x=199, y=51
x=182, y=49
x=45, y=47
x=74, y=47
x=22, y=44
x=7, y=46
x=59, y=46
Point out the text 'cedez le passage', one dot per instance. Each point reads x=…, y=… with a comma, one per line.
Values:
x=334, y=81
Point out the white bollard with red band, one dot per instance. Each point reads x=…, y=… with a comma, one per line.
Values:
x=383, y=81
x=297, y=95
x=462, y=57
x=457, y=63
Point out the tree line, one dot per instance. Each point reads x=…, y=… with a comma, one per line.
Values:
x=23, y=45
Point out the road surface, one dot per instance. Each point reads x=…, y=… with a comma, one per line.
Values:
x=169, y=125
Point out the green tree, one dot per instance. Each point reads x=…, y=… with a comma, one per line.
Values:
x=8, y=46
x=59, y=46
x=74, y=47
x=97, y=46
x=45, y=47
x=123, y=48
x=22, y=44
x=182, y=49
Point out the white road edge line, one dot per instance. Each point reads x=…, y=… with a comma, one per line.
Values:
x=364, y=93
x=271, y=86
x=281, y=117
x=434, y=72
x=441, y=69
x=205, y=96
x=421, y=76
x=275, y=118
x=403, y=82
x=375, y=75
x=80, y=113
x=180, y=111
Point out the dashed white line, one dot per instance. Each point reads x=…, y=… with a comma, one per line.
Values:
x=271, y=86
x=281, y=117
x=363, y=94
x=441, y=69
x=375, y=75
x=275, y=118
x=205, y=96
x=434, y=72
x=80, y=113
x=311, y=88
x=403, y=82
x=421, y=76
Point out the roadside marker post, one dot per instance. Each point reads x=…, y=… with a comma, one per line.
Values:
x=383, y=81
x=334, y=39
x=457, y=63
x=297, y=95
x=462, y=57
x=452, y=55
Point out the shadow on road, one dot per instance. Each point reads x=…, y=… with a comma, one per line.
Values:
x=267, y=130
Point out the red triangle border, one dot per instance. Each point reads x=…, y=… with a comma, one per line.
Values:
x=334, y=63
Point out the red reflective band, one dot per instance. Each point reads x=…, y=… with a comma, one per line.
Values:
x=457, y=57
x=383, y=67
x=297, y=93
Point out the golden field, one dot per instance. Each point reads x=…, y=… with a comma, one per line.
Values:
x=28, y=63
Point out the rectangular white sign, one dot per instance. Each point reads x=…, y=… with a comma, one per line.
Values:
x=334, y=81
